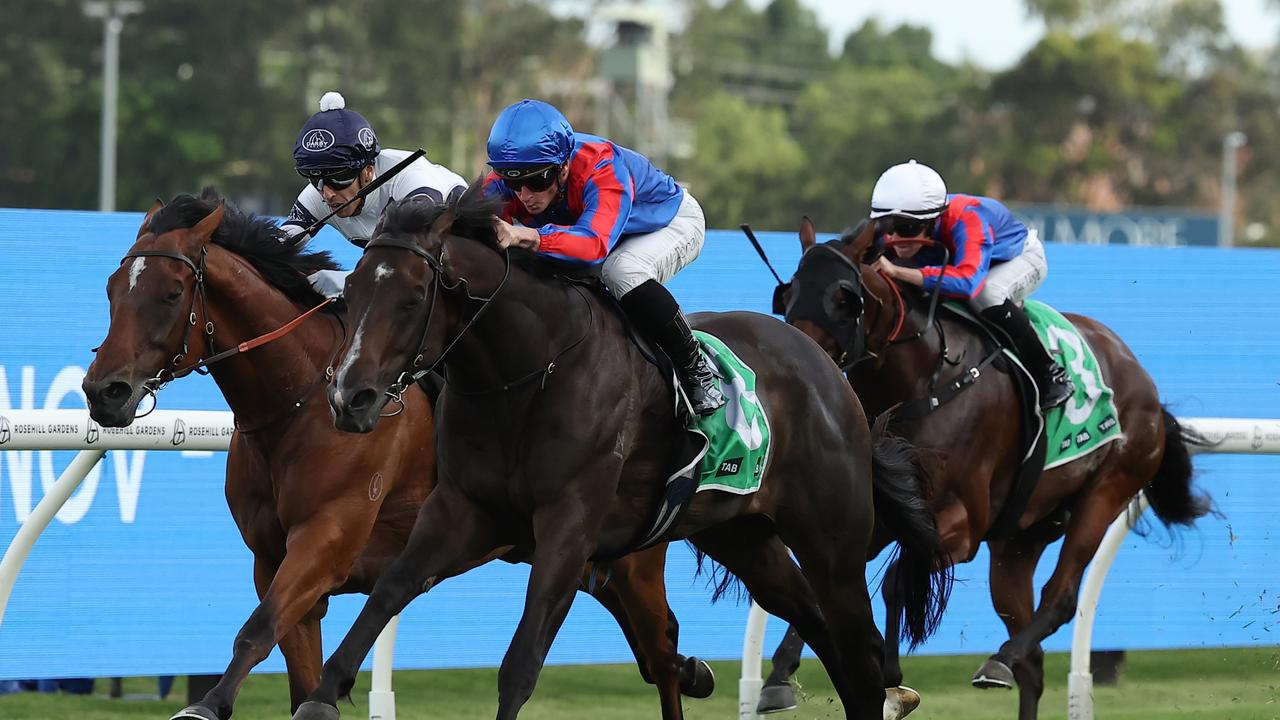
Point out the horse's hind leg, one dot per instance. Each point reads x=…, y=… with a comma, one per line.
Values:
x=749, y=548
x=1012, y=572
x=1090, y=518
x=832, y=554
x=450, y=533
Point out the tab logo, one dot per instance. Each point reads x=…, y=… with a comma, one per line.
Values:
x=317, y=140
x=1107, y=423
x=729, y=467
x=1082, y=438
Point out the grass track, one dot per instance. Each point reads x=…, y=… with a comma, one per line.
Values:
x=1204, y=684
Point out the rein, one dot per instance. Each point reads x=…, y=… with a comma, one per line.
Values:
x=436, y=262
x=154, y=385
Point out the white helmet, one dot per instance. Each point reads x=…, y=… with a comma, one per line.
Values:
x=910, y=189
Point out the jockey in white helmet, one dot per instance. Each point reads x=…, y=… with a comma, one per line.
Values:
x=995, y=260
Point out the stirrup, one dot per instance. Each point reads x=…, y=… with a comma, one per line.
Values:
x=699, y=384
x=1059, y=390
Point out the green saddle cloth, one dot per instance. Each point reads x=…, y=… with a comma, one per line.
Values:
x=1088, y=420
x=738, y=433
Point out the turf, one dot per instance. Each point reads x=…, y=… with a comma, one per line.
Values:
x=1234, y=684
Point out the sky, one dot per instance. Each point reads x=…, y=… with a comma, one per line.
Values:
x=994, y=34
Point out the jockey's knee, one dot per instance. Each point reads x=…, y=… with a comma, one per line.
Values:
x=622, y=274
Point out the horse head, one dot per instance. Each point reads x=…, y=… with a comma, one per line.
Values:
x=836, y=296
x=408, y=296
x=157, y=315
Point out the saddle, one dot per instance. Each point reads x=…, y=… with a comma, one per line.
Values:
x=998, y=353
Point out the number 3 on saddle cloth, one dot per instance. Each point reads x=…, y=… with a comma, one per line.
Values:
x=1078, y=427
x=726, y=450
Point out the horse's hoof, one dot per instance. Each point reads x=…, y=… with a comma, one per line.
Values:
x=776, y=699
x=994, y=674
x=696, y=679
x=899, y=702
x=195, y=712
x=312, y=710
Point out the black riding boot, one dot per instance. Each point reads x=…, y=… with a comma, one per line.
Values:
x=656, y=313
x=1051, y=378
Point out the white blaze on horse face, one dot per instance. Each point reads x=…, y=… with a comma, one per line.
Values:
x=135, y=270
x=382, y=272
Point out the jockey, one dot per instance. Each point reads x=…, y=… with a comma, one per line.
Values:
x=338, y=153
x=582, y=199
x=996, y=261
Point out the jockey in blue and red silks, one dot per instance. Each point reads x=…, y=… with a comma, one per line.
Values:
x=996, y=261
x=583, y=199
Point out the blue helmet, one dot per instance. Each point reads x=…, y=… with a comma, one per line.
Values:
x=530, y=133
x=334, y=139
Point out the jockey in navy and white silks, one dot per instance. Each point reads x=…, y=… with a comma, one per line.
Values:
x=995, y=260
x=338, y=152
x=583, y=199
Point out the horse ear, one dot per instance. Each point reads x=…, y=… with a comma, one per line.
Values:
x=206, y=227
x=146, y=221
x=860, y=242
x=808, y=235
x=441, y=224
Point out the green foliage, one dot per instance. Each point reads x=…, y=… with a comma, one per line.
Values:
x=1122, y=102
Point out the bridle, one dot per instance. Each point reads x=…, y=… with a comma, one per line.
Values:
x=851, y=335
x=152, y=386
x=166, y=375
x=416, y=370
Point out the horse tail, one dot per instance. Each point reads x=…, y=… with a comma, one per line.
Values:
x=924, y=576
x=1170, y=493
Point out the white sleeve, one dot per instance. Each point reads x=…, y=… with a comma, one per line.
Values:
x=307, y=209
x=426, y=178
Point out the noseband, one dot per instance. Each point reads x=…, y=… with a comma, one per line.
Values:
x=166, y=375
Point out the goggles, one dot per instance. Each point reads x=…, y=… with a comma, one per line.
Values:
x=335, y=179
x=537, y=180
x=903, y=227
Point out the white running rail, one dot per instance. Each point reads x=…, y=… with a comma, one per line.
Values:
x=160, y=430
x=1230, y=436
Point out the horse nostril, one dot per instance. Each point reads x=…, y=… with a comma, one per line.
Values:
x=117, y=392
x=363, y=400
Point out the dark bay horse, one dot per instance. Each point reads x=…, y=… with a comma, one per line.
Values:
x=555, y=436
x=324, y=512
x=970, y=447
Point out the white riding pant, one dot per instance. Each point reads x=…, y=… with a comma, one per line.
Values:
x=658, y=255
x=1014, y=279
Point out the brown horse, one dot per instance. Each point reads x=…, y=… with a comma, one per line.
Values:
x=324, y=512
x=970, y=447
x=556, y=436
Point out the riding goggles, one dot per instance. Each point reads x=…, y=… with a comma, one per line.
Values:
x=537, y=179
x=904, y=227
x=336, y=180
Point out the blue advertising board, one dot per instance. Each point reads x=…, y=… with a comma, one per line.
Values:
x=143, y=572
x=1139, y=226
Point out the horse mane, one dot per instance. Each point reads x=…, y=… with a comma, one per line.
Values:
x=473, y=215
x=282, y=263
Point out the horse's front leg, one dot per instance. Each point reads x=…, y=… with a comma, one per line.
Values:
x=451, y=532
x=564, y=534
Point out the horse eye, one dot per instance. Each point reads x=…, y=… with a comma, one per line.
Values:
x=173, y=297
